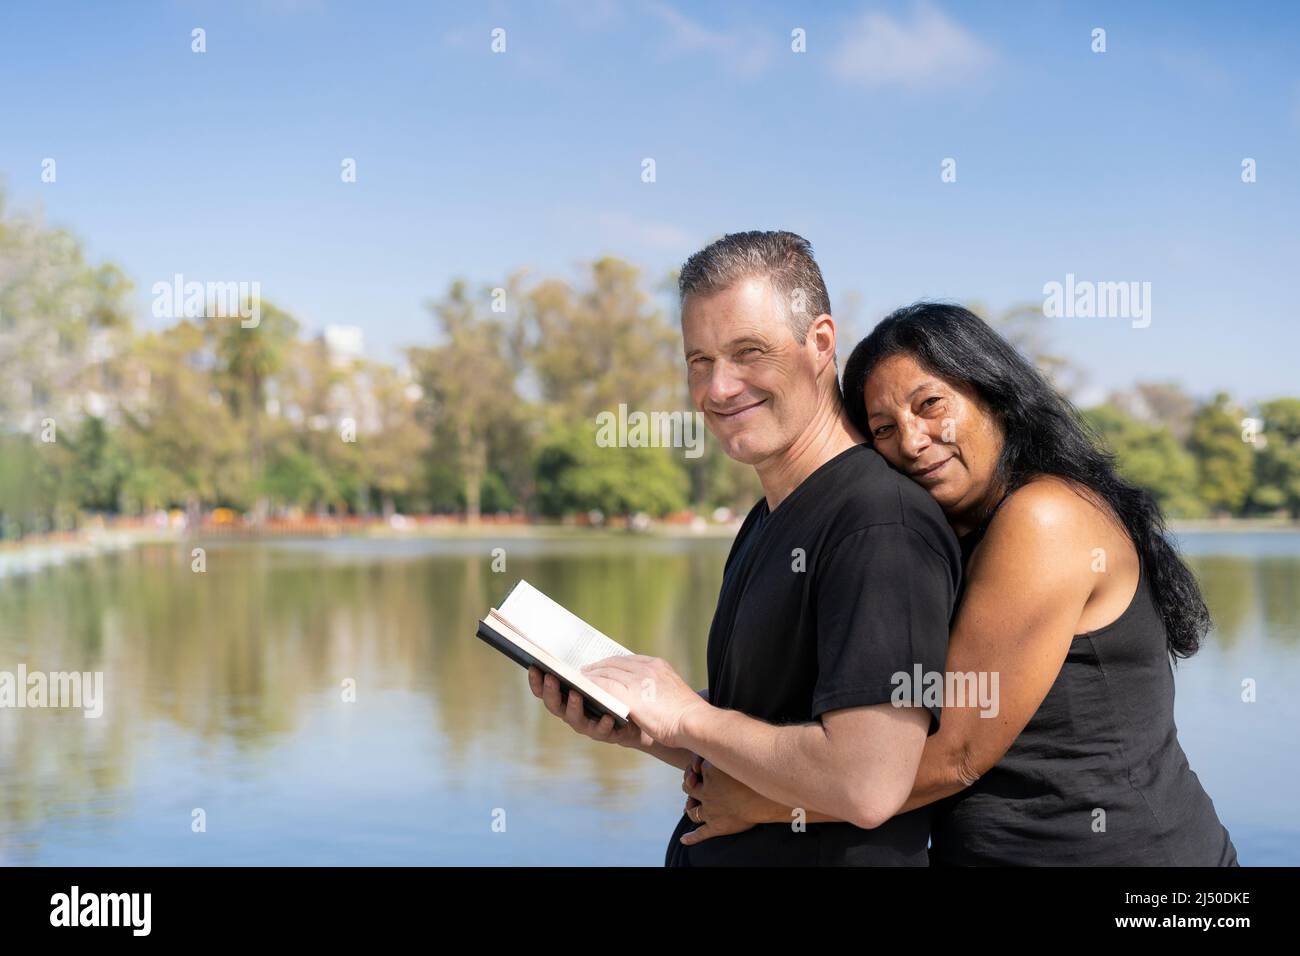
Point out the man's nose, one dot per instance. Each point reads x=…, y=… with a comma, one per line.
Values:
x=724, y=384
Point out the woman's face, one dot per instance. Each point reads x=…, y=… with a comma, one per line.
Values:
x=938, y=434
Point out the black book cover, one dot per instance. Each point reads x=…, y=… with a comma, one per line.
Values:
x=593, y=708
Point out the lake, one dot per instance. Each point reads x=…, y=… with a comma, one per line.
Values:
x=224, y=702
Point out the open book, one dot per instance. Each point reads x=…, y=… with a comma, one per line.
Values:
x=532, y=630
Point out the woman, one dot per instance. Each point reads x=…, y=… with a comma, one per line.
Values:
x=1072, y=607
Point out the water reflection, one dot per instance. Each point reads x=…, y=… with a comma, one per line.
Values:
x=224, y=692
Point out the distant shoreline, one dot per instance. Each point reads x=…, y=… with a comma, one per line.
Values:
x=1233, y=525
x=33, y=553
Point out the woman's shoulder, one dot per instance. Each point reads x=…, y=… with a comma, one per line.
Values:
x=1053, y=504
x=1050, y=516
x=1069, y=539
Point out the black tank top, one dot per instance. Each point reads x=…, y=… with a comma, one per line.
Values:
x=1097, y=776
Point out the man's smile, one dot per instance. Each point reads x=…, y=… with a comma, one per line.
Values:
x=739, y=413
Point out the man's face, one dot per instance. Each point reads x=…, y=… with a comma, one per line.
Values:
x=756, y=385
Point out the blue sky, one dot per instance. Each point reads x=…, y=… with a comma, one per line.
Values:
x=1115, y=166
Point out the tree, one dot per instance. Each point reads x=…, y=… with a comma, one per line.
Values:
x=575, y=474
x=63, y=322
x=296, y=478
x=324, y=412
x=247, y=359
x=1159, y=403
x=468, y=383
x=179, y=431
x=99, y=465
x=1278, y=461
x=394, y=452
x=1225, y=463
x=596, y=347
x=1150, y=458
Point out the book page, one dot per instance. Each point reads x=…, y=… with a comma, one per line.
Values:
x=555, y=628
x=574, y=677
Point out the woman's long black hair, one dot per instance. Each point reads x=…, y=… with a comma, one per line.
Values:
x=1043, y=435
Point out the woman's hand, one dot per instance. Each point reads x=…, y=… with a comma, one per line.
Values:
x=723, y=804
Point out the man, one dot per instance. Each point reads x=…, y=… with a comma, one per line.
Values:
x=842, y=576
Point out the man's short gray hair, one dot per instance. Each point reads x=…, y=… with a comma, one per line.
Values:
x=783, y=258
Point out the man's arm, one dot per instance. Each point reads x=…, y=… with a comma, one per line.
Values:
x=884, y=597
x=678, y=757
x=856, y=763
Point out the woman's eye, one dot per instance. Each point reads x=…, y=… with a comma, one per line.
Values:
x=882, y=431
x=933, y=398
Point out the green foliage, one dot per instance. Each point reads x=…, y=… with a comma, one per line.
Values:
x=496, y=413
x=1224, y=458
x=1277, y=466
x=469, y=386
x=1282, y=418
x=99, y=466
x=594, y=347
x=1151, y=458
x=496, y=495
x=574, y=474
x=296, y=478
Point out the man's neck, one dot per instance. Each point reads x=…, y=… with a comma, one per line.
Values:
x=827, y=435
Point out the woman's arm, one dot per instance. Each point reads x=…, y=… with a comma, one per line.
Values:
x=1021, y=608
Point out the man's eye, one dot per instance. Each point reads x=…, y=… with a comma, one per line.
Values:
x=748, y=350
x=926, y=403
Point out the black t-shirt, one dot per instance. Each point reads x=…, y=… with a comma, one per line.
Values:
x=852, y=579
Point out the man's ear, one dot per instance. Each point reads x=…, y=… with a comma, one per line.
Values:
x=822, y=333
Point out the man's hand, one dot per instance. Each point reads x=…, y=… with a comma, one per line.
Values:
x=658, y=699
x=722, y=803
x=547, y=688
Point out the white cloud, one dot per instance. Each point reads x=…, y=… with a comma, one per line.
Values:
x=930, y=50
x=745, y=54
